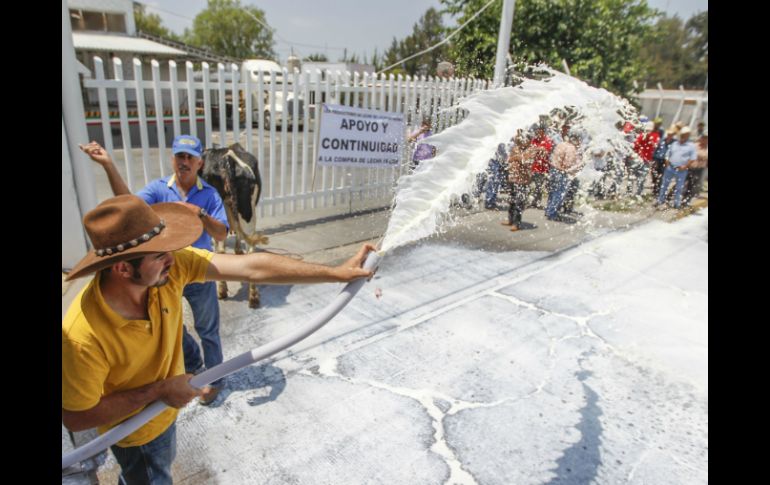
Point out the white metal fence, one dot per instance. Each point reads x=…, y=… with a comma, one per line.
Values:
x=266, y=102
x=690, y=107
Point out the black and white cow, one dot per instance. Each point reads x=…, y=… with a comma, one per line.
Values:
x=235, y=174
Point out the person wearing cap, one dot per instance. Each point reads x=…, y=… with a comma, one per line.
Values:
x=658, y=126
x=186, y=187
x=681, y=154
x=122, y=334
x=520, y=158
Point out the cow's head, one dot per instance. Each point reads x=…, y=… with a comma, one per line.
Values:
x=236, y=178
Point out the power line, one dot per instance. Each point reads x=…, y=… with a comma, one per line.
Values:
x=153, y=7
x=440, y=43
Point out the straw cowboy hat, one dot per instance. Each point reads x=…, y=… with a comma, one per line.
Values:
x=125, y=227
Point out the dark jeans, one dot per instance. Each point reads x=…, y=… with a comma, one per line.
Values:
x=519, y=195
x=150, y=463
x=557, y=183
x=569, y=198
x=539, y=183
x=656, y=170
x=693, y=185
x=671, y=174
x=494, y=180
x=205, y=309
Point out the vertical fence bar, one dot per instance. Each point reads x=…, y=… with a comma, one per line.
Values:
x=222, y=104
x=325, y=171
x=400, y=109
x=172, y=76
x=117, y=65
x=206, y=103
x=297, y=99
x=319, y=109
x=248, y=90
x=355, y=100
x=192, y=122
x=235, y=107
x=261, y=134
x=372, y=173
x=382, y=172
x=681, y=104
x=141, y=111
x=160, y=122
x=335, y=174
x=660, y=100
x=305, y=128
x=284, y=131
x=103, y=106
x=272, y=142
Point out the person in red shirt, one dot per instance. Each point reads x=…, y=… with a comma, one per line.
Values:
x=542, y=146
x=644, y=146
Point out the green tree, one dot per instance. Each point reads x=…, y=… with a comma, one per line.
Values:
x=599, y=39
x=698, y=48
x=664, y=54
x=316, y=57
x=377, y=61
x=228, y=28
x=151, y=23
x=677, y=53
x=428, y=31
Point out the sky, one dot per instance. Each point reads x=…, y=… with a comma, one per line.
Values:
x=360, y=26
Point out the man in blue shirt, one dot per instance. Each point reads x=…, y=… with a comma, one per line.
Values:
x=186, y=187
x=680, y=155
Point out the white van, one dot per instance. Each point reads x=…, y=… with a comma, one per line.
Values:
x=253, y=67
x=267, y=67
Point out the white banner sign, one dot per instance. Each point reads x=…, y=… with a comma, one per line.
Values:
x=359, y=137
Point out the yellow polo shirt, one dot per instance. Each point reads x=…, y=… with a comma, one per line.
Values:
x=104, y=353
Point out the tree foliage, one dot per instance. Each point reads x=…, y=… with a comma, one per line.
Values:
x=316, y=57
x=151, y=23
x=677, y=54
x=599, y=39
x=428, y=30
x=229, y=28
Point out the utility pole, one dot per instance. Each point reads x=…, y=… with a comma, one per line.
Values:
x=503, y=40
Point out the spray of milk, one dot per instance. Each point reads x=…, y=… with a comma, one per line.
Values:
x=423, y=198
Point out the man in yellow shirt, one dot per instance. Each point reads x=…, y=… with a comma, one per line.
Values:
x=122, y=335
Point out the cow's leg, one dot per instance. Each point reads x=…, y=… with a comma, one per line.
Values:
x=219, y=247
x=253, y=290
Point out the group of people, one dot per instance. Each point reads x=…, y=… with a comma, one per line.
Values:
x=533, y=165
x=124, y=344
x=546, y=161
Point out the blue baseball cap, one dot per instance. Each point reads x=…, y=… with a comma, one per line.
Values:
x=187, y=144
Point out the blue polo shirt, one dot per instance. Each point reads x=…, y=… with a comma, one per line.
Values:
x=680, y=153
x=201, y=194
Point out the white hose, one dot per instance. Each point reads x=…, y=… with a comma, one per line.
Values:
x=225, y=368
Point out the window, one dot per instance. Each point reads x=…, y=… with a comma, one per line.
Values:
x=116, y=22
x=97, y=21
x=93, y=20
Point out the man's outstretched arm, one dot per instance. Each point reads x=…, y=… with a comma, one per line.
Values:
x=268, y=268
